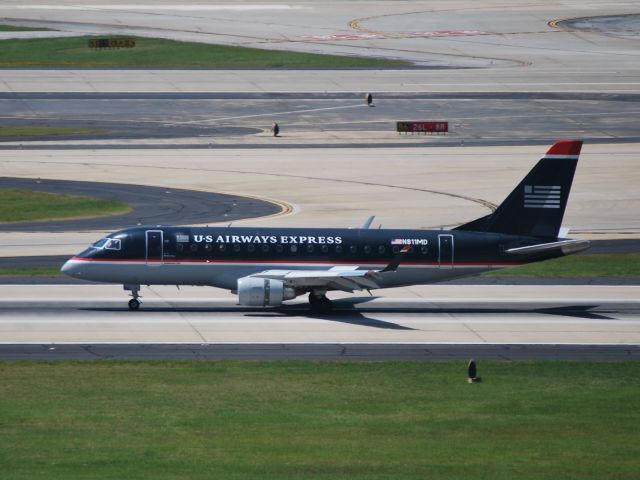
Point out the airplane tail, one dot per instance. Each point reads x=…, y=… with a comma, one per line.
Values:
x=536, y=206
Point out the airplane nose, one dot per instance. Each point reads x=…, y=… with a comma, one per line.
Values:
x=69, y=268
x=66, y=268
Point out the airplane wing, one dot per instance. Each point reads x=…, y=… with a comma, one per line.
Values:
x=347, y=278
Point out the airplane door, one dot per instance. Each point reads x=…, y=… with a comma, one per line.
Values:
x=445, y=252
x=154, y=246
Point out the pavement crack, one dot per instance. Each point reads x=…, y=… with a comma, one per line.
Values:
x=468, y=327
x=89, y=350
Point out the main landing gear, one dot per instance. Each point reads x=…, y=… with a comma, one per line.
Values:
x=134, y=303
x=320, y=303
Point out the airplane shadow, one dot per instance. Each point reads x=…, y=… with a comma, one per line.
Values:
x=348, y=311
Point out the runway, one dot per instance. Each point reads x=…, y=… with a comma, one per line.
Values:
x=460, y=314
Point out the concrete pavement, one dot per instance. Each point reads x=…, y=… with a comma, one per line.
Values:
x=421, y=314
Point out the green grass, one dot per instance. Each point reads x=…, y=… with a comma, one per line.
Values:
x=598, y=265
x=595, y=265
x=305, y=420
x=30, y=272
x=26, y=205
x=7, y=131
x=11, y=28
x=151, y=52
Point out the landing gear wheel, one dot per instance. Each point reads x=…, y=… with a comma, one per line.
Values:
x=320, y=304
x=134, y=288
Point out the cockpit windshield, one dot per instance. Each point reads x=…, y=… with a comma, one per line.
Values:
x=113, y=244
x=100, y=243
x=108, y=244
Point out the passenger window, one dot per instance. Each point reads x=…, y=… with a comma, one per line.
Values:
x=353, y=249
x=324, y=249
x=236, y=247
x=194, y=247
x=381, y=249
x=367, y=249
x=251, y=248
x=424, y=249
x=265, y=248
x=395, y=249
x=222, y=247
x=208, y=247
x=179, y=247
x=310, y=248
x=294, y=248
x=338, y=248
x=279, y=248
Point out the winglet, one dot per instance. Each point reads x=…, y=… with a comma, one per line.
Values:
x=393, y=265
x=368, y=222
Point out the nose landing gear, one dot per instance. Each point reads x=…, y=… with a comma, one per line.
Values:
x=134, y=303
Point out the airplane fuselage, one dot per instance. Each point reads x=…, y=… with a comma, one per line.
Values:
x=220, y=256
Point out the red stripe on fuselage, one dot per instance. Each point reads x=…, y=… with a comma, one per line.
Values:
x=289, y=262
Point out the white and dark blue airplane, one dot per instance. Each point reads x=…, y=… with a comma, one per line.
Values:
x=266, y=266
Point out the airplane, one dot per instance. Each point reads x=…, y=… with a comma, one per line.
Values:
x=267, y=266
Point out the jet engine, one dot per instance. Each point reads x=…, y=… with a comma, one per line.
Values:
x=263, y=292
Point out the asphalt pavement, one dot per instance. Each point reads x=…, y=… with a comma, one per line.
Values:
x=149, y=206
x=331, y=352
x=228, y=119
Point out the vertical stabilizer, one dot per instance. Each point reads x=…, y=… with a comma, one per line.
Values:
x=536, y=206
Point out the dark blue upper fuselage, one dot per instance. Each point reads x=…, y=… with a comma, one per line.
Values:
x=353, y=246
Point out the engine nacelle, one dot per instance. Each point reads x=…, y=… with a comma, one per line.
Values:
x=263, y=292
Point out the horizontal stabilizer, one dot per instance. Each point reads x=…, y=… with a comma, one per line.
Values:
x=565, y=246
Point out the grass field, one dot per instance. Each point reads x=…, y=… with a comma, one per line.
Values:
x=26, y=205
x=30, y=272
x=584, y=266
x=595, y=265
x=152, y=52
x=11, y=28
x=305, y=420
x=28, y=131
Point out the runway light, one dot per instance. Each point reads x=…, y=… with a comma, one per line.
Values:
x=472, y=372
